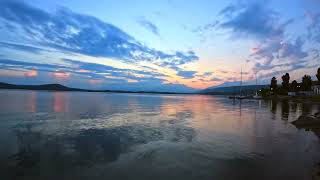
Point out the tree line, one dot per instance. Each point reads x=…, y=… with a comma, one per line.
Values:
x=294, y=86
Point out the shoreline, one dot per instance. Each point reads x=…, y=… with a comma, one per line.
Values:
x=304, y=99
x=61, y=88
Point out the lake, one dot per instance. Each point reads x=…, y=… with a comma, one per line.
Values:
x=76, y=135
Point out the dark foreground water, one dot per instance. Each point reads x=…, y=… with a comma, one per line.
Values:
x=61, y=135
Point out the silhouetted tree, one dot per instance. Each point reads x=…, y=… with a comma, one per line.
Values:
x=285, y=82
x=306, y=83
x=273, y=85
x=294, y=86
x=318, y=74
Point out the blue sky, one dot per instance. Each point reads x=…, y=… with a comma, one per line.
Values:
x=167, y=45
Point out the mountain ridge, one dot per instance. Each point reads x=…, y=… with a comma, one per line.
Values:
x=232, y=90
x=59, y=87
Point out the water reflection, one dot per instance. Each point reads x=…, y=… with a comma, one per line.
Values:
x=306, y=108
x=285, y=110
x=61, y=102
x=40, y=154
x=32, y=102
x=274, y=106
x=119, y=136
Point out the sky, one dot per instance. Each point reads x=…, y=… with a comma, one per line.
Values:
x=160, y=45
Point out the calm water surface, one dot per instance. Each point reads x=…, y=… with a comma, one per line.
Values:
x=62, y=135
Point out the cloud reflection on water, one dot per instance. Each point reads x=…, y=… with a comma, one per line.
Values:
x=99, y=135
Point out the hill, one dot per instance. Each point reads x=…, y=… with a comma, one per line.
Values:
x=49, y=87
x=59, y=87
x=232, y=90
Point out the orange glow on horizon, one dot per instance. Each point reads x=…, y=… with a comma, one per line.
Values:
x=32, y=73
x=95, y=81
x=83, y=71
x=201, y=85
x=61, y=75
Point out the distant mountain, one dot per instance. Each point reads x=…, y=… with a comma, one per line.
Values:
x=174, y=88
x=218, y=90
x=59, y=87
x=227, y=84
x=52, y=87
x=232, y=90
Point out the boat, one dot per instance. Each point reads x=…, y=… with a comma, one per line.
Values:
x=256, y=96
x=232, y=97
x=239, y=96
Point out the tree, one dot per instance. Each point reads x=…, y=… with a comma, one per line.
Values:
x=273, y=85
x=318, y=74
x=264, y=92
x=285, y=82
x=306, y=83
x=294, y=86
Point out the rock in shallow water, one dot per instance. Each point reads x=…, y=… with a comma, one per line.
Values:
x=307, y=121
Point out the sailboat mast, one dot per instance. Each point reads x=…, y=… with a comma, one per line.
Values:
x=256, y=83
x=241, y=83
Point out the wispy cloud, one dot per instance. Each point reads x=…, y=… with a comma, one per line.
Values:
x=149, y=26
x=107, y=77
x=73, y=32
x=216, y=79
x=92, y=70
x=187, y=74
x=205, y=75
x=314, y=26
x=274, y=51
x=21, y=47
x=252, y=19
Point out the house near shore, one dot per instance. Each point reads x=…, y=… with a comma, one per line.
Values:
x=316, y=87
x=301, y=93
x=315, y=90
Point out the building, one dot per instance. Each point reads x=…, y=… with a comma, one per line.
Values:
x=316, y=87
x=292, y=94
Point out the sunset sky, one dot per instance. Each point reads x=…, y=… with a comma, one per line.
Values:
x=159, y=45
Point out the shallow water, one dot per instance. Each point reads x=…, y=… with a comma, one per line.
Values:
x=74, y=135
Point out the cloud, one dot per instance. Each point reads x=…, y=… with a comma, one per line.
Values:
x=207, y=27
x=78, y=33
x=32, y=73
x=187, y=74
x=21, y=47
x=229, y=10
x=17, y=64
x=93, y=69
x=95, y=81
x=255, y=20
x=205, y=75
x=252, y=20
x=215, y=79
x=289, y=68
x=275, y=49
x=149, y=26
x=61, y=75
x=314, y=26
x=292, y=50
x=89, y=71
x=177, y=59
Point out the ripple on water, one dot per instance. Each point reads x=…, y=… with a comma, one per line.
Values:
x=116, y=136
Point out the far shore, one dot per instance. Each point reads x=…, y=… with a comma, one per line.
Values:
x=293, y=98
x=61, y=88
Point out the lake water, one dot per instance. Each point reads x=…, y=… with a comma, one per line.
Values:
x=75, y=135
